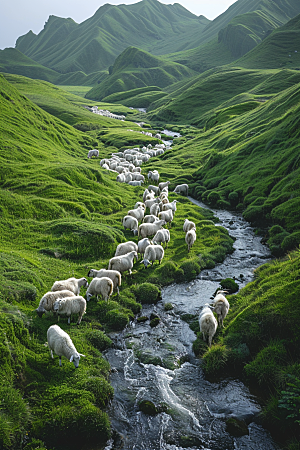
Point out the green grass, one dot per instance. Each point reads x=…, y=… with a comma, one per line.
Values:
x=80, y=91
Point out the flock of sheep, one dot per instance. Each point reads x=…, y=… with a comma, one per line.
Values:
x=64, y=297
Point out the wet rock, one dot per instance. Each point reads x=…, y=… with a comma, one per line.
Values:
x=154, y=322
x=168, y=306
x=236, y=427
x=118, y=440
x=148, y=407
x=142, y=319
x=190, y=441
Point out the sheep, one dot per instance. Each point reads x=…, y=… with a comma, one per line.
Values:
x=105, y=166
x=149, y=229
x=139, y=204
x=120, y=178
x=150, y=218
x=162, y=236
x=61, y=344
x=136, y=170
x=188, y=225
x=48, y=300
x=171, y=206
x=131, y=223
x=146, y=192
x=128, y=177
x=104, y=161
x=155, y=189
x=71, y=284
x=69, y=306
x=150, y=196
x=142, y=245
x=138, y=213
x=149, y=203
x=135, y=183
x=221, y=306
x=123, y=262
x=154, y=209
x=126, y=247
x=208, y=324
x=167, y=216
x=100, y=286
x=153, y=176
x=153, y=253
x=190, y=238
x=93, y=153
x=163, y=184
x=138, y=177
x=182, y=189
x=158, y=136
x=114, y=275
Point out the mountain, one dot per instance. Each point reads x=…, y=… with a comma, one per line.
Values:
x=280, y=49
x=93, y=45
x=135, y=68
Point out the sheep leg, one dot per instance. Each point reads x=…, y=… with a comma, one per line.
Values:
x=51, y=353
x=118, y=291
x=60, y=361
x=69, y=320
x=204, y=336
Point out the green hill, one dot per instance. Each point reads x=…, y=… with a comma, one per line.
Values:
x=94, y=44
x=280, y=49
x=135, y=68
x=137, y=97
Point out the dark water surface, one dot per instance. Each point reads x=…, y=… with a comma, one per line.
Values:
x=143, y=359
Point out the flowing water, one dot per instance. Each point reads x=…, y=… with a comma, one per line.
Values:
x=158, y=364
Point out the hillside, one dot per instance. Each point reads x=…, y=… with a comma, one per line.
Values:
x=280, y=49
x=94, y=44
x=135, y=68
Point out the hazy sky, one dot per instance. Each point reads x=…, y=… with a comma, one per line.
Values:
x=17, y=17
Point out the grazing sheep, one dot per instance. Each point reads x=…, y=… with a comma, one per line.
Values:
x=126, y=247
x=128, y=177
x=104, y=161
x=142, y=245
x=149, y=203
x=153, y=176
x=71, y=284
x=153, y=188
x=114, y=275
x=149, y=229
x=61, y=344
x=162, y=236
x=221, y=306
x=190, y=238
x=131, y=223
x=150, y=196
x=182, y=189
x=158, y=136
x=123, y=262
x=171, y=206
x=100, y=286
x=93, y=153
x=154, y=209
x=138, y=213
x=48, y=300
x=153, y=253
x=121, y=178
x=135, y=183
x=136, y=170
x=139, y=204
x=167, y=216
x=70, y=305
x=138, y=177
x=163, y=184
x=150, y=218
x=208, y=324
x=188, y=225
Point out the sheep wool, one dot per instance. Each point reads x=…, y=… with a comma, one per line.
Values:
x=61, y=344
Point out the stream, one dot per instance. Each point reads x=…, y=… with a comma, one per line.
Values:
x=158, y=364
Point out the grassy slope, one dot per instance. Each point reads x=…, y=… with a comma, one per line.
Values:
x=277, y=50
x=55, y=204
x=135, y=68
x=94, y=44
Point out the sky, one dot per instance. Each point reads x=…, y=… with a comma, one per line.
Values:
x=17, y=17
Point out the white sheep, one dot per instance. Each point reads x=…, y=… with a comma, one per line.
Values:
x=154, y=209
x=131, y=223
x=142, y=245
x=70, y=305
x=163, y=184
x=167, y=216
x=126, y=247
x=138, y=213
x=153, y=253
x=150, y=218
x=128, y=177
x=221, y=306
x=153, y=188
x=188, y=225
x=149, y=203
x=121, y=178
x=171, y=206
x=153, y=176
x=135, y=183
x=182, y=189
x=61, y=344
x=138, y=177
x=123, y=262
x=93, y=153
x=104, y=161
x=139, y=204
x=114, y=275
x=48, y=300
x=149, y=229
x=190, y=238
x=71, y=284
x=145, y=193
x=208, y=324
x=162, y=236
x=100, y=286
